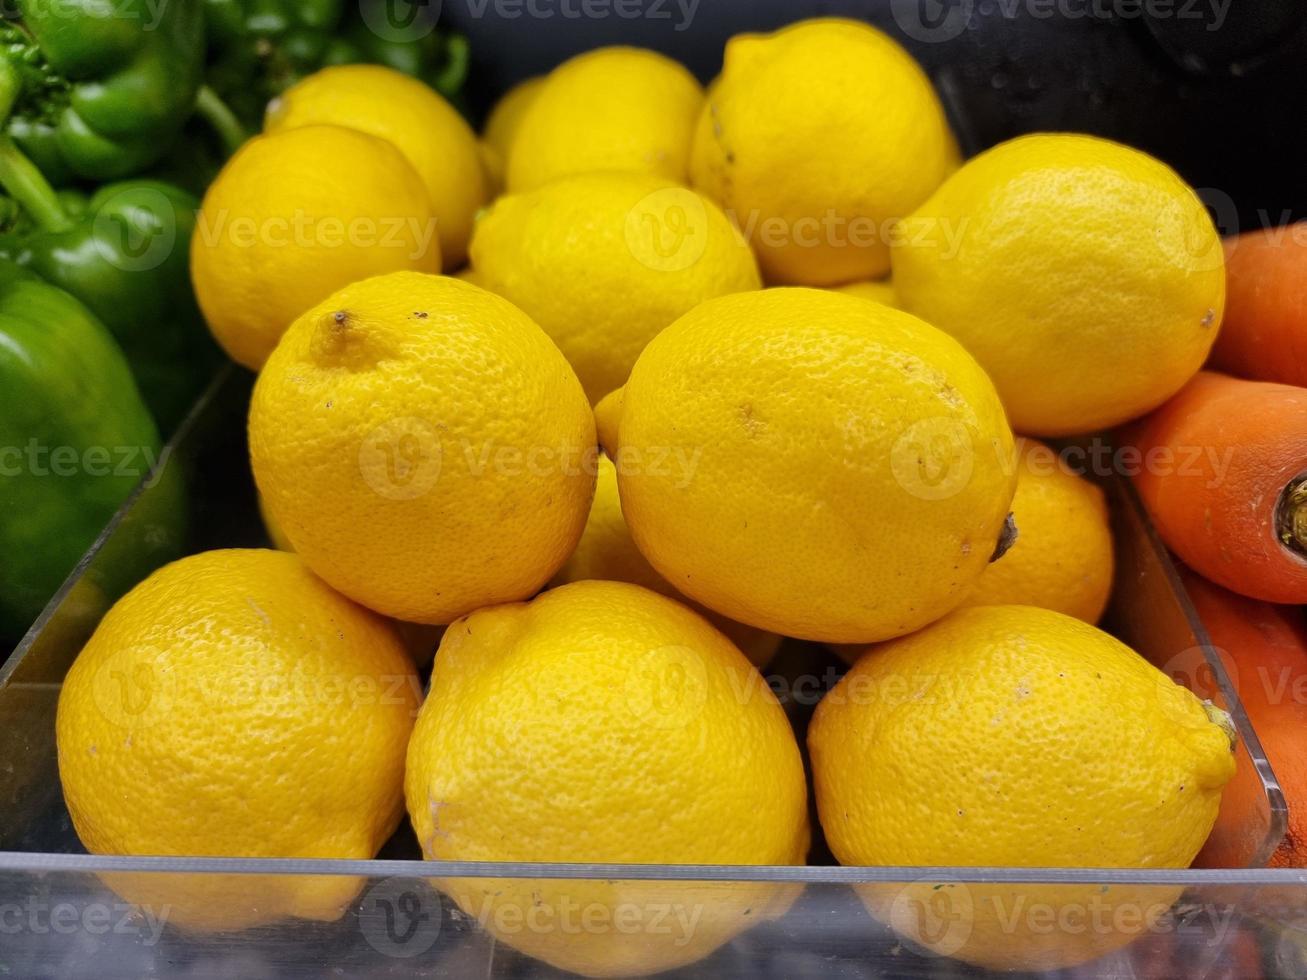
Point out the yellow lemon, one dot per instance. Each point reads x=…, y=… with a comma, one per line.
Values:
x=276, y=537
x=604, y=261
x=506, y=116
x=601, y=722
x=414, y=118
x=501, y=125
x=816, y=139
x=294, y=216
x=469, y=274
x=812, y=464
x=607, y=552
x=419, y=639
x=612, y=108
x=876, y=290
x=233, y=705
x=423, y=446
x=1085, y=276
x=1062, y=557
x=1017, y=737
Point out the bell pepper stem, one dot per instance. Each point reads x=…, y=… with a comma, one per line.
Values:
x=214, y=111
x=19, y=176
x=458, y=60
x=28, y=186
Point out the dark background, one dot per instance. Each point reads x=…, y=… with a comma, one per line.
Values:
x=1221, y=96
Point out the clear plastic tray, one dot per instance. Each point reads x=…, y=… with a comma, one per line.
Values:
x=59, y=919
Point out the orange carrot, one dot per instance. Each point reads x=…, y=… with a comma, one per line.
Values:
x=1264, y=333
x=1223, y=471
x=1264, y=648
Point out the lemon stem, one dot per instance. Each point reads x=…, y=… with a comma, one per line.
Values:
x=1006, y=538
x=1221, y=718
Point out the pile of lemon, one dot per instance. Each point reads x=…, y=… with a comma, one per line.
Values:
x=829, y=458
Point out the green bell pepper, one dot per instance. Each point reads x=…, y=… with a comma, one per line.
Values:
x=416, y=48
x=98, y=89
x=124, y=253
x=75, y=439
x=260, y=48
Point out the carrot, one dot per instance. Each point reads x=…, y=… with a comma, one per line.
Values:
x=1264, y=333
x=1264, y=648
x=1161, y=953
x=1223, y=471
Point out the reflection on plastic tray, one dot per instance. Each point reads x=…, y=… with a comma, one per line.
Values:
x=59, y=919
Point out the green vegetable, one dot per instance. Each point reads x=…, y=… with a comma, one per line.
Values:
x=416, y=48
x=124, y=253
x=260, y=48
x=75, y=439
x=195, y=160
x=98, y=89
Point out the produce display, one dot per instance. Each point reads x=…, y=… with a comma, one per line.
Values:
x=113, y=118
x=563, y=430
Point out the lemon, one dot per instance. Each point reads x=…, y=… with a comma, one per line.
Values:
x=276, y=537
x=601, y=722
x=294, y=216
x=1085, y=276
x=1015, y=737
x=414, y=118
x=504, y=119
x=233, y=705
x=423, y=446
x=815, y=139
x=419, y=640
x=501, y=125
x=607, y=552
x=812, y=464
x=604, y=261
x=1062, y=557
x=613, y=108
x=876, y=290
